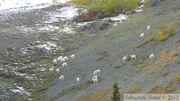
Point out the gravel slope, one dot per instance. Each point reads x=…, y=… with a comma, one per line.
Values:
x=118, y=42
x=98, y=50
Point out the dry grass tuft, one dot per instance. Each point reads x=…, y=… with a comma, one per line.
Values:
x=95, y=96
x=134, y=90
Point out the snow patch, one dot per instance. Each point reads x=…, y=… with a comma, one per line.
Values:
x=21, y=91
x=120, y=18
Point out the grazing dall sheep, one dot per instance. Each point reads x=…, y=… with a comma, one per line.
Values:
x=95, y=79
x=151, y=56
x=61, y=77
x=64, y=64
x=133, y=57
x=148, y=27
x=51, y=69
x=64, y=59
x=59, y=58
x=124, y=58
x=141, y=35
x=96, y=71
x=77, y=79
x=55, y=61
x=72, y=56
x=57, y=70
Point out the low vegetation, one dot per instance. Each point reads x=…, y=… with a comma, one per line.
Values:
x=102, y=8
x=96, y=96
x=134, y=90
x=105, y=6
x=177, y=78
x=165, y=32
x=164, y=89
x=118, y=65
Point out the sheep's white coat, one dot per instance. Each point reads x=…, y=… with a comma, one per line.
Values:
x=148, y=27
x=96, y=71
x=61, y=77
x=141, y=35
x=77, y=79
x=59, y=58
x=55, y=61
x=72, y=56
x=124, y=58
x=133, y=57
x=95, y=79
x=64, y=64
x=51, y=69
x=151, y=56
x=57, y=70
x=64, y=59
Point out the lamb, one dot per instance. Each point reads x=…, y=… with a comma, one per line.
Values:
x=124, y=58
x=95, y=79
x=151, y=56
x=61, y=77
x=141, y=35
x=77, y=79
x=96, y=71
x=51, y=69
x=133, y=57
x=148, y=27
x=72, y=56
x=64, y=64
x=57, y=70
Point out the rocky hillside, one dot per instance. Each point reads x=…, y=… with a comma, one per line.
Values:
x=105, y=52
x=27, y=54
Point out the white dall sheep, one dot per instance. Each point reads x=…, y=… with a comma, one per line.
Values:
x=141, y=35
x=64, y=64
x=96, y=71
x=72, y=56
x=95, y=79
x=124, y=58
x=133, y=57
x=148, y=27
x=64, y=59
x=77, y=79
x=59, y=58
x=61, y=77
x=51, y=69
x=55, y=61
x=151, y=56
x=57, y=70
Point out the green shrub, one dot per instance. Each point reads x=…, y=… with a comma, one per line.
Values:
x=160, y=36
x=105, y=6
x=118, y=65
x=128, y=58
x=149, y=39
x=165, y=32
x=177, y=78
